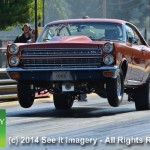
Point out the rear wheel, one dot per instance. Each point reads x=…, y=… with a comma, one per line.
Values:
x=115, y=90
x=63, y=101
x=141, y=97
x=25, y=94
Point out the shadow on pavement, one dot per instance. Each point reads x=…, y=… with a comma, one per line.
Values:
x=75, y=112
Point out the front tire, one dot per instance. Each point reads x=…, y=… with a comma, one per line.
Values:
x=63, y=101
x=115, y=90
x=25, y=94
x=141, y=97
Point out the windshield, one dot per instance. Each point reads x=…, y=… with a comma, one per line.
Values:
x=94, y=30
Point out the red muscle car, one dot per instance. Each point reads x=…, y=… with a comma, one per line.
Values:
x=104, y=56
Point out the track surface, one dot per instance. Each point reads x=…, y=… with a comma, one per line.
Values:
x=94, y=122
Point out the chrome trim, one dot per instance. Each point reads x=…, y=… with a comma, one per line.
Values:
x=35, y=57
x=60, y=57
x=133, y=82
x=55, y=50
x=113, y=68
x=60, y=64
x=78, y=48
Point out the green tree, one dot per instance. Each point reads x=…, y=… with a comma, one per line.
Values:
x=82, y=8
x=56, y=10
x=14, y=12
x=135, y=11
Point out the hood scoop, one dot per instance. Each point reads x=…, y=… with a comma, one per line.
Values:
x=71, y=39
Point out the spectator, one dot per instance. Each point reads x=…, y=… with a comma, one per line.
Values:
x=23, y=38
x=32, y=40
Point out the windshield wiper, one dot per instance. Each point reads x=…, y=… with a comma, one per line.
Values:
x=93, y=39
x=45, y=40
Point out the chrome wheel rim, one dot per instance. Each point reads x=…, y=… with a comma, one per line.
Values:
x=119, y=87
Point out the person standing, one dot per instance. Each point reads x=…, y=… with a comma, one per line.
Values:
x=26, y=35
x=32, y=40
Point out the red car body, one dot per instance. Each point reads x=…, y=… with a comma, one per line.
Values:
x=71, y=57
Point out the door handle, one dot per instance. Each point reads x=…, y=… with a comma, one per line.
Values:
x=143, y=51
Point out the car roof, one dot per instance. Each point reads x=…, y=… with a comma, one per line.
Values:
x=88, y=20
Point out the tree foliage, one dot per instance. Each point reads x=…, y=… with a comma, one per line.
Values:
x=57, y=10
x=14, y=12
x=82, y=8
x=135, y=11
x=65, y=9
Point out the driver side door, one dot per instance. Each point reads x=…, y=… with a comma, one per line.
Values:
x=138, y=59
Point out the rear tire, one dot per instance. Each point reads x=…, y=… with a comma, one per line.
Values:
x=63, y=101
x=115, y=90
x=141, y=97
x=25, y=94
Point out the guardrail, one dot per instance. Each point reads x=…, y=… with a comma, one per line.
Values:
x=3, y=63
x=7, y=86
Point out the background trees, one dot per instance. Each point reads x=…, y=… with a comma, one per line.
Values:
x=56, y=10
x=14, y=12
x=135, y=11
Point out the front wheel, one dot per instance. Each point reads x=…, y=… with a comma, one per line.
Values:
x=25, y=94
x=115, y=90
x=63, y=101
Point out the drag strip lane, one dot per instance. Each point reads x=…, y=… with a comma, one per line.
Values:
x=92, y=119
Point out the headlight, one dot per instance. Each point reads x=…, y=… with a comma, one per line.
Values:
x=108, y=47
x=14, y=61
x=108, y=59
x=13, y=49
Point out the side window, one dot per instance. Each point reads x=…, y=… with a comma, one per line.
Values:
x=133, y=35
x=130, y=34
x=139, y=42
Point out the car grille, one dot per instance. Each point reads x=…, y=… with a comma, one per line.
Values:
x=61, y=58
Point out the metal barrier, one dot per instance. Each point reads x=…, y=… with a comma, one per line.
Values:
x=3, y=63
x=7, y=86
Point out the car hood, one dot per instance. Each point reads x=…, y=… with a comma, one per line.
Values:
x=70, y=39
x=65, y=41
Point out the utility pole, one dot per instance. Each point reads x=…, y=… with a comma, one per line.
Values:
x=36, y=20
x=103, y=8
x=43, y=18
x=119, y=4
